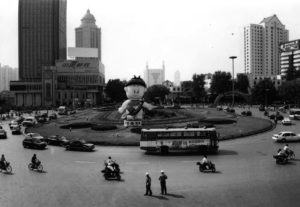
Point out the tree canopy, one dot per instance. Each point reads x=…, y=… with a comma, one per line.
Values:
x=264, y=92
x=242, y=83
x=290, y=91
x=115, y=90
x=155, y=92
x=198, y=87
x=221, y=82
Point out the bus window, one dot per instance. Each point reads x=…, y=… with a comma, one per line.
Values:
x=188, y=134
x=173, y=134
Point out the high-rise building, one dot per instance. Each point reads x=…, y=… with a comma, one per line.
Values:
x=7, y=74
x=154, y=76
x=177, y=78
x=88, y=35
x=261, y=48
x=42, y=36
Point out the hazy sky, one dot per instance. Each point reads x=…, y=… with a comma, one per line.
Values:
x=191, y=36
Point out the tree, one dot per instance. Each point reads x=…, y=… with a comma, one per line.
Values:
x=115, y=90
x=198, y=89
x=156, y=91
x=264, y=92
x=242, y=83
x=220, y=83
x=290, y=91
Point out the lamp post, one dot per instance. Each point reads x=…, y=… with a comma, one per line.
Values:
x=232, y=58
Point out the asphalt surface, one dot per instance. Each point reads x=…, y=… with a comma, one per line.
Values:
x=247, y=175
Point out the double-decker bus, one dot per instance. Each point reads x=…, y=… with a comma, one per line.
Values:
x=294, y=113
x=179, y=139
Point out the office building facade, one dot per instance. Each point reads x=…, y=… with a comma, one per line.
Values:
x=290, y=57
x=42, y=36
x=261, y=48
x=88, y=34
x=7, y=74
x=154, y=76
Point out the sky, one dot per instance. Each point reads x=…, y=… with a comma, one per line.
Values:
x=191, y=36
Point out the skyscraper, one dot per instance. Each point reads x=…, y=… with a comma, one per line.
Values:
x=42, y=36
x=88, y=35
x=261, y=47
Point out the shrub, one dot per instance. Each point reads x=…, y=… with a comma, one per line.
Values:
x=99, y=127
x=136, y=130
x=219, y=121
x=77, y=125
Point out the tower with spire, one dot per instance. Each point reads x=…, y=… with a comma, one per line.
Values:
x=88, y=34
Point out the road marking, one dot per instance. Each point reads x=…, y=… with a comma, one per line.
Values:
x=88, y=162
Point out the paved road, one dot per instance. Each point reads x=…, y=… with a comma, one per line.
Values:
x=247, y=176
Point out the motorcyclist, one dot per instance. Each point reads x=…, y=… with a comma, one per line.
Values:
x=286, y=149
x=35, y=161
x=110, y=163
x=281, y=153
x=3, y=162
x=204, y=161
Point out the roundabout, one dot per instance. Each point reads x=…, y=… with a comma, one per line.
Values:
x=84, y=125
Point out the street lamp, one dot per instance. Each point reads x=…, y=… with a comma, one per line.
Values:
x=232, y=58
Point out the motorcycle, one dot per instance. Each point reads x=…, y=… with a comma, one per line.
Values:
x=207, y=167
x=290, y=154
x=112, y=171
x=281, y=159
x=7, y=168
x=38, y=166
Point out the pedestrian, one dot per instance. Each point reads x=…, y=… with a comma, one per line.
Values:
x=148, y=185
x=70, y=129
x=275, y=120
x=162, y=178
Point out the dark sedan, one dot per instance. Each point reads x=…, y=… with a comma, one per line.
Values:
x=80, y=145
x=3, y=134
x=57, y=140
x=34, y=143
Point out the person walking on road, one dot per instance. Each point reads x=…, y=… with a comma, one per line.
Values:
x=162, y=178
x=148, y=185
x=275, y=120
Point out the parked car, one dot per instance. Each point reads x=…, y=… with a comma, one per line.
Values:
x=219, y=108
x=79, y=145
x=57, y=140
x=278, y=116
x=53, y=116
x=286, y=136
x=72, y=112
x=34, y=143
x=246, y=113
x=3, y=134
x=230, y=110
x=13, y=124
x=35, y=135
x=29, y=121
x=286, y=121
x=261, y=108
x=16, y=129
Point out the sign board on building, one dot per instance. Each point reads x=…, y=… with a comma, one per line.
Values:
x=290, y=46
x=78, y=66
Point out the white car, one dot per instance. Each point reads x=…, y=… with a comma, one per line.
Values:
x=286, y=136
x=29, y=121
x=286, y=121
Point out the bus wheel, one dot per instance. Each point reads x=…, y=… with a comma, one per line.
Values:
x=164, y=150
